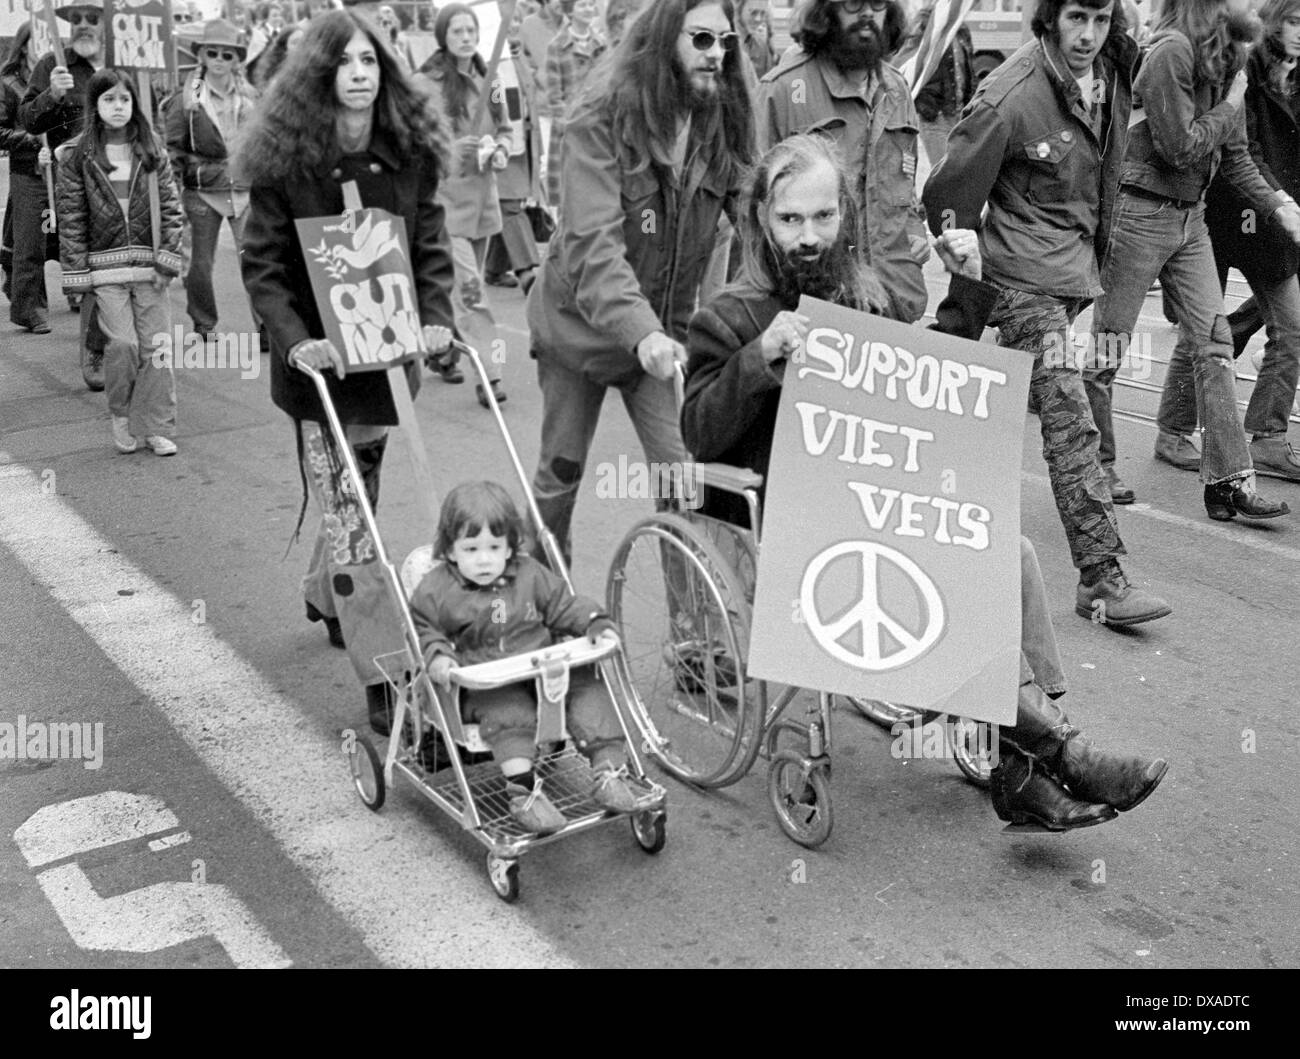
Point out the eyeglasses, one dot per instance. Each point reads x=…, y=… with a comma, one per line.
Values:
x=225, y=56
x=90, y=18
x=705, y=39
x=854, y=6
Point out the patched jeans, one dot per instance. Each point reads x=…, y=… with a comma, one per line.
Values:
x=571, y=405
x=1040, y=324
x=1151, y=238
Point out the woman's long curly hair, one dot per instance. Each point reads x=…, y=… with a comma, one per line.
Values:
x=1219, y=38
x=1273, y=13
x=640, y=85
x=293, y=134
x=139, y=131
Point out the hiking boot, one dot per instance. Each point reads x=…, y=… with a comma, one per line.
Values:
x=534, y=812
x=161, y=446
x=1113, y=601
x=1275, y=458
x=1119, y=492
x=1178, y=451
x=122, y=434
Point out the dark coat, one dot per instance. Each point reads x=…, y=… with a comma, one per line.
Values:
x=732, y=393
x=941, y=94
x=22, y=146
x=1264, y=253
x=200, y=154
x=280, y=290
x=40, y=113
x=98, y=244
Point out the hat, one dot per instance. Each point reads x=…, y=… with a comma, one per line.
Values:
x=218, y=33
x=66, y=9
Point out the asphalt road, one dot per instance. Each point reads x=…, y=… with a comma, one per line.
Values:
x=154, y=596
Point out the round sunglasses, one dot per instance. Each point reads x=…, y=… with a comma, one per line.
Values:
x=854, y=6
x=90, y=18
x=705, y=39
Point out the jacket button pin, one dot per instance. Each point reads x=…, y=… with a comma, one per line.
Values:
x=1067, y=136
x=1043, y=150
x=337, y=174
x=374, y=167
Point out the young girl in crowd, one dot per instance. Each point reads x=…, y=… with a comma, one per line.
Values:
x=486, y=600
x=120, y=237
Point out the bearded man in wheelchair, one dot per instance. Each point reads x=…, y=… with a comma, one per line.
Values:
x=796, y=236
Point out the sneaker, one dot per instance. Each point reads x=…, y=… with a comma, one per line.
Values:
x=497, y=392
x=1275, y=458
x=161, y=446
x=1113, y=601
x=41, y=327
x=612, y=791
x=1178, y=451
x=534, y=812
x=122, y=434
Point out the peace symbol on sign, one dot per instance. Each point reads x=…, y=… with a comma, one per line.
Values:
x=869, y=613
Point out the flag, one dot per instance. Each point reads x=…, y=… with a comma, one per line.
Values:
x=945, y=18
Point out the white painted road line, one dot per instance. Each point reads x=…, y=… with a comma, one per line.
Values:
x=370, y=867
x=1242, y=537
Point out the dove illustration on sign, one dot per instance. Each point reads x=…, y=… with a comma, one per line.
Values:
x=370, y=242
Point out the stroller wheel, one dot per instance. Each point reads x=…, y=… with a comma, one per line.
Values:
x=367, y=773
x=503, y=874
x=648, y=827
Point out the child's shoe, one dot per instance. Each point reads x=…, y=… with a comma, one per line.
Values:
x=161, y=446
x=122, y=434
x=534, y=812
x=612, y=790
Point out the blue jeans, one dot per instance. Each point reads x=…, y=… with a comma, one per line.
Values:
x=570, y=411
x=1040, y=660
x=1155, y=237
x=205, y=229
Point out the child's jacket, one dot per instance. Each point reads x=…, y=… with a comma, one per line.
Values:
x=526, y=608
x=97, y=244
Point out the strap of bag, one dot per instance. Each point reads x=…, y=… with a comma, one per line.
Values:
x=155, y=211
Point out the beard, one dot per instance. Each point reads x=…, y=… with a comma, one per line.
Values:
x=855, y=48
x=699, y=102
x=828, y=274
x=85, y=44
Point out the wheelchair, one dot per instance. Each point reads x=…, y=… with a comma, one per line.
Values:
x=430, y=746
x=681, y=589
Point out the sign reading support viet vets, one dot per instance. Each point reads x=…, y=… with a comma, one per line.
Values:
x=890, y=558
x=360, y=269
x=138, y=34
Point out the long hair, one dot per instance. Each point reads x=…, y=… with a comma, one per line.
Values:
x=472, y=507
x=639, y=84
x=787, y=160
x=16, y=59
x=292, y=133
x=456, y=86
x=1273, y=13
x=1218, y=40
x=1048, y=12
x=815, y=24
x=139, y=132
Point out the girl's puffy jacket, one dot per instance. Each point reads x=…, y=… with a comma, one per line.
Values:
x=97, y=244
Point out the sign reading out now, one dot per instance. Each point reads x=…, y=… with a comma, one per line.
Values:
x=360, y=269
x=138, y=34
x=890, y=559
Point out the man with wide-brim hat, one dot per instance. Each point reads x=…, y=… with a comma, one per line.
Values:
x=202, y=122
x=56, y=94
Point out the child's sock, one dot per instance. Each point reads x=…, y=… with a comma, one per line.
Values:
x=526, y=780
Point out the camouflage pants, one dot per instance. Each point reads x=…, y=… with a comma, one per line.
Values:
x=1040, y=324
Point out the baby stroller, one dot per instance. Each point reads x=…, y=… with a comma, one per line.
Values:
x=442, y=757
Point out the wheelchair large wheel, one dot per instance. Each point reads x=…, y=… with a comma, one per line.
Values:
x=685, y=628
x=801, y=797
x=972, y=752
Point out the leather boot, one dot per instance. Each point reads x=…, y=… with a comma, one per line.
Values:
x=379, y=705
x=1024, y=793
x=1044, y=732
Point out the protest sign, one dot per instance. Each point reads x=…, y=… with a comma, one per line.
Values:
x=360, y=269
x=138, y=34
x=890, y=558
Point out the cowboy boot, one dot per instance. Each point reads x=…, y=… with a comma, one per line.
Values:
x=1044, y=732
x=1024, y=793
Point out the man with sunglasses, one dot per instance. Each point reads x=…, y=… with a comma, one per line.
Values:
x=56, y=94
x=650, y=163
x=202, y=122
x=837, y=84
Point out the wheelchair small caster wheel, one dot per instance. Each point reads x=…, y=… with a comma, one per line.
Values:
x=801, y=798
x=503, y=874
x=367, y=772
x=648, y=828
